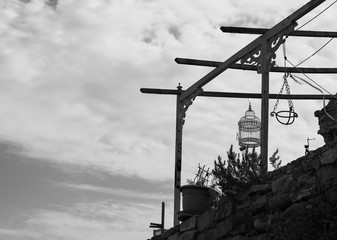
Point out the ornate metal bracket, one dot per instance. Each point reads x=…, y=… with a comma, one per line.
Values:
x=253, y=58
x=186, y=103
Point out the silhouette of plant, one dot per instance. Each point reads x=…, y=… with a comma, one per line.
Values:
x=235, y=174
x=275, y=160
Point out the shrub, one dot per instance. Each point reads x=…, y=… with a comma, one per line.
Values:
x=234, y=175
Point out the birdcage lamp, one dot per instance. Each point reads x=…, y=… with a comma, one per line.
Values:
x=249, y=130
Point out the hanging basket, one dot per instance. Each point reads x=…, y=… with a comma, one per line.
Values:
x=285, y=117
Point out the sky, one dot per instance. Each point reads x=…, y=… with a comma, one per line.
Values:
x=83, y=153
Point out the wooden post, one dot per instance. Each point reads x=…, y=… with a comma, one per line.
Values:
x=163, y=215
x=178, y=156
x=264, y=104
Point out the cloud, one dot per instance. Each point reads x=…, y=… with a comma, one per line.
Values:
x=118, y=193
x=71, y=109
x=19, y=234
x=93, y=220
x=76, y=98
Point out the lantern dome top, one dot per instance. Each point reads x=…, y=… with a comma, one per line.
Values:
x=249, y=115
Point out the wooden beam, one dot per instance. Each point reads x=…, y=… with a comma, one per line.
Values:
x=265, y=64
x=207, y=63
x=262, y=31
x=281, y=26
x=221, y=68
x=178, y=156
x=239, y=95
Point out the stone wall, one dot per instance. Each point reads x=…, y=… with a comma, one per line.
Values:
x=299, y=201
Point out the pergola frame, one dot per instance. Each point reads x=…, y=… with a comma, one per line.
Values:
x=259, y=55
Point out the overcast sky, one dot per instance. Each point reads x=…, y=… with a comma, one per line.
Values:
x=83, y=153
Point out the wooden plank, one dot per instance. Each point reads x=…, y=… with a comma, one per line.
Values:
x=178, y=156
x=292, y=18
x=207, y=63
x=239, y=95
x=299, y=33
x=284, y=24
x=163, y=214
x=264, y=103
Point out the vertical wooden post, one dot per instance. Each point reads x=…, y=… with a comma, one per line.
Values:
x=178, y=156
x=264, y=103
x=163, y=215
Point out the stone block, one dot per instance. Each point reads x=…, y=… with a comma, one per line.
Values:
x=316, y=163
x=243, y=205
x=300, y=195
x=261, y=237
x=238, y=237
x=327, y=176
x=263, y=223
x=224, y=210
x=295, y=209
x=206, y=221
x=173, y=237
x=260, y=189
x=281, y=201
x=331, y=195
x=159, y=237
x=171, y=231
x=283, y=184
x=189, y=224
x=243, y=195
x=223, y=229
x=304, y=180
x=259, y=204
x=241, y=228
x=202, y=236
x=190, y=235
x=241, y=217
x=209, y=235
x=329, y=157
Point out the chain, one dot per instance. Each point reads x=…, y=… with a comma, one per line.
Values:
x=287, y=87
x=280, y=93
x=290, y=102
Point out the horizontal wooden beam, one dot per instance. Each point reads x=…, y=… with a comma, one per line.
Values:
x=298, y=33
x=222, y=67
x=238, y=95
x=207, y=63
x=285, y=24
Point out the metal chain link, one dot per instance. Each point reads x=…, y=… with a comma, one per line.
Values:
x=287, y=87
x=290, y=102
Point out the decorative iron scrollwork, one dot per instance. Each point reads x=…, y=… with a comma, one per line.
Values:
x=186, y=103
x=254, y=57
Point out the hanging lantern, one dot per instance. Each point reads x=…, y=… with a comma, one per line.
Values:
x=249, y=130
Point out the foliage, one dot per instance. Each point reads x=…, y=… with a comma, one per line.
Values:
x=201, y=178
x=234, y=175
x=275, y=160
